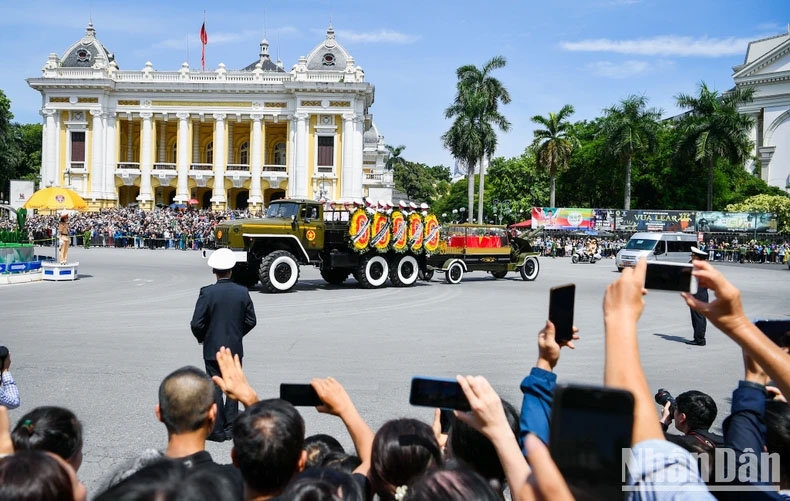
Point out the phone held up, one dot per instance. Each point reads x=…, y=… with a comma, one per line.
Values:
x=300, y=395
x=777, y=330
x=590, y=426
x=671, y=277
x=561, y=301
x=438, y=392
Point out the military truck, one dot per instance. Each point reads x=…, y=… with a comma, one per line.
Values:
x=371, y=246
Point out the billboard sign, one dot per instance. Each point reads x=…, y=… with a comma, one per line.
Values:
x=712, y=222
x=654, y=220
x=563, y=218
x=21, y=191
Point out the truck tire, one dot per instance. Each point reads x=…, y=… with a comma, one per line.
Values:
x=530, y=270
x=426, y=275
x=372, y=272
x=455, y=273
x=243, y=275
x=404, y=271
x=335, y=276
x=279, y=271
x=499, y=274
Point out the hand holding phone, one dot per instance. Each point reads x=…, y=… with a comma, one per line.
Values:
x=438, y=392
x=670, y=277
x=300, y=395
x=561, y=305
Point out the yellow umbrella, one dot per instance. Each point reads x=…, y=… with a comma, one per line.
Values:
x=56, y=199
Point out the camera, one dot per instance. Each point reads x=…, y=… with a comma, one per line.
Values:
x=663, y=396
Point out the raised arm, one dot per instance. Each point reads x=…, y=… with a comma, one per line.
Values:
x=338, y=403
x=233, y=382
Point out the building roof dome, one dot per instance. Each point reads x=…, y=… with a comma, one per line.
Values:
x=264, y=60
x=371, y=135
x=328, y=55
x=87, y=52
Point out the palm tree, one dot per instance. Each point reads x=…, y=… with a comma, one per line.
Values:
x=395, y=156
x=554, y=144
x=477, y=103
x=629, y=128
x=714, y=129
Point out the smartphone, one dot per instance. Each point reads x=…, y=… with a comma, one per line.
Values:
x=446, y=419
x=300, y=395
x=777, y=330
x=590, y=426
x=561, y=300
x=671, y=277
x=437, y=392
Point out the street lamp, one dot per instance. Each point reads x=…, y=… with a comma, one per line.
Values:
x=501, y=209
x=461, y=211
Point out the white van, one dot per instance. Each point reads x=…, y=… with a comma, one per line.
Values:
x=674, y=247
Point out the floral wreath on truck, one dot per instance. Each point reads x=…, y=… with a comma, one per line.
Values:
x=359, y=230
x=432, y=226
x=400, y=236
x=380, y=231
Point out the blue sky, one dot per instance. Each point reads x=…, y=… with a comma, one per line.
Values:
x=588, y=53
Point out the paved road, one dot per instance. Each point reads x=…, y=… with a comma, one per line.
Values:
x=101, y=345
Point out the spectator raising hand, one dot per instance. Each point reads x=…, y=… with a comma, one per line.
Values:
x=232, y=380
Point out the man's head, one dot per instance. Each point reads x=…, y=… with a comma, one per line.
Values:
x=186, y=401
x=697, y=253
x=268, y=445
x=222, y=262
x=694, y=410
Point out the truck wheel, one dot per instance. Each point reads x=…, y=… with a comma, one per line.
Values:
x=334, y=276
x=279, y=271
x=426, y=275
x=530, y=270
x=404, y=272
x=243, y=275
x=575, y=258
x=454, y=273
x=372, y=272
x=499, y=274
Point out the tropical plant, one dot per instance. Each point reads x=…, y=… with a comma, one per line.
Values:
x=554, y=144
x=476, y=106
x=628, y=128
x=713, y=129
x=395, y=157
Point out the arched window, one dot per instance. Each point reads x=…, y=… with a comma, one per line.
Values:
x=210, y=153
x=244, y=153
x=175, y=153
x=279, y=154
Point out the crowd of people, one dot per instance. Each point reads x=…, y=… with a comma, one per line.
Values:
x=490, y=452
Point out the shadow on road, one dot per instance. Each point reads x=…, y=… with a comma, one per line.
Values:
x=677, y=339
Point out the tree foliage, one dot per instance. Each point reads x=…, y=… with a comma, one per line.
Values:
x=420, y=182
x=554, y=144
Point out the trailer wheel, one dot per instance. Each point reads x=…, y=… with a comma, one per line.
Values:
x=372, y=272
x=530, y=270
x=279, y=271
x=335, y=276
x=404, y=271
x=426, y=275
x=499, y=274
x=455, y=273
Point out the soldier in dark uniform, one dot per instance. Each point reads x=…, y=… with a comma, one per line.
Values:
x=698, y=322
x=224, y=313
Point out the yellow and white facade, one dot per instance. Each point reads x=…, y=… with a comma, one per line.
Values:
x=226, y=139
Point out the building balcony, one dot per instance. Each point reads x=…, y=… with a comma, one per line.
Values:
x=133, y=167
x=238, y=168
x=267, y=169
x=201, y=167
x=162, y=166
x=377, y=179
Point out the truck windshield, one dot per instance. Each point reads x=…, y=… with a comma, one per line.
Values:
x=640, y=244
x=284, y=209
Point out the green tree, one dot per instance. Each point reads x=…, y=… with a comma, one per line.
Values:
x=777, y=204
x=629, y=128
x=6, y=142
x=713, y=129
x=395, y=157
x=554, y=144
x=518, y=180
x=476, y=112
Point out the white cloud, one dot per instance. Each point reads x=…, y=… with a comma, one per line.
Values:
x=668, y=45
x=381, y=36
x=619, y=70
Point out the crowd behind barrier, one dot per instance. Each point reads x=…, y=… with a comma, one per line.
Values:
x=492, y=452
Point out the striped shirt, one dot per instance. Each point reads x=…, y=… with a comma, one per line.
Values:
x=9, y=393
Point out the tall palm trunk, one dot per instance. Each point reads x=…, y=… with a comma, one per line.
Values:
x=481, y=192
x=710, y=184
x=470, y=191
x=551, y=191
x=627, y=202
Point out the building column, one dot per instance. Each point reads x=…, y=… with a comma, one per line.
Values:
x=182, y=162
x=161, y=143
x=49, y=170
x=256, y=197
x=109, y=157
x=345, y=172
x=196, y=142
x=299, y=174
x=356, y=163
x=218, y=195
x=229, y=157
x=146, y=196
x=129, y=144
x=96, y=171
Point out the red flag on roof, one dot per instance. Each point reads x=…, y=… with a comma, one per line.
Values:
x=203, y=41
